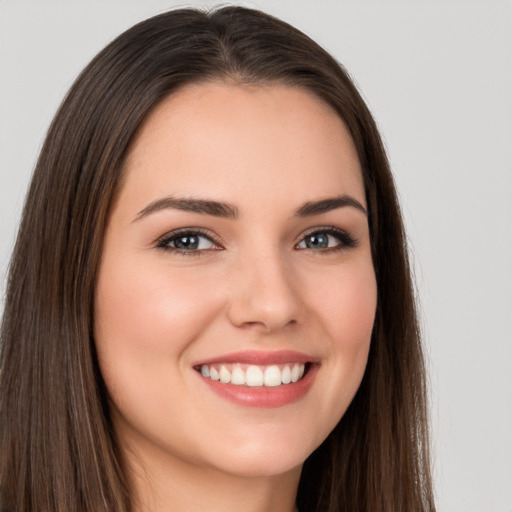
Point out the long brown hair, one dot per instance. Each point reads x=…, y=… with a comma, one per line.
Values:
x=57, y=447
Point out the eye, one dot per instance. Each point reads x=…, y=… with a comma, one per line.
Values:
x=187, y=241
x=328, y=239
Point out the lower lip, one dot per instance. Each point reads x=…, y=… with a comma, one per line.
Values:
x=264, y=396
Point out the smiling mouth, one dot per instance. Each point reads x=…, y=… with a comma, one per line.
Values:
x=255, y=376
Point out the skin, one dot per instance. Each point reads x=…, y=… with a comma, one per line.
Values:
x=267, y=151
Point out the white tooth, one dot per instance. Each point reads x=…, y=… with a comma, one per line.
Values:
x=205, y=372
x=254, y=376
x=224, y=375
x=272, y=376
x=295, y=373
x=214, y=374
x=301, y=371
x=238, y=376
x=286, y=375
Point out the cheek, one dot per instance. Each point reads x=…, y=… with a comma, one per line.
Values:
x=150, y=305
x=346, y=303
x=346, y=312
x=144, y=321
x=353, y=324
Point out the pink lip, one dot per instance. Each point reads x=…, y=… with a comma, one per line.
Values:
x=260, y=358
x=264, y=397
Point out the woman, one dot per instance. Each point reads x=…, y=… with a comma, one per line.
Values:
x=209, y=303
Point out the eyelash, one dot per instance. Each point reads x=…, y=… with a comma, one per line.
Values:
x=164, y=242
x=346, y=240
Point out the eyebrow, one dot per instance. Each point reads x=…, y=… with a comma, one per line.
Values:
x=215, y=208
x=332, y=203
x=230, y=211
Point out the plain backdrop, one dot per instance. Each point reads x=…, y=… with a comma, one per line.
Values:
x=438, y=77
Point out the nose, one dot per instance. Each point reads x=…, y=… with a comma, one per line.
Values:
x=264, y=294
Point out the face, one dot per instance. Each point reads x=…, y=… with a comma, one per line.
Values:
x=236, y=293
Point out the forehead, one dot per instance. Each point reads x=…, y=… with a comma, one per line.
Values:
x=215, y=139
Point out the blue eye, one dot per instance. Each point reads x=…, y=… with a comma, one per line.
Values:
x=193, y=242
x=327, y=240
x=187, y=242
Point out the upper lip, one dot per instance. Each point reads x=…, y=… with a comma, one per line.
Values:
x=261, y=358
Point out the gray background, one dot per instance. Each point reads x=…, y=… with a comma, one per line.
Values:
x=438, y=77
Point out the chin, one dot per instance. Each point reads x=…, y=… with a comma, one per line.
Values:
x=268, y=454
x=260, y=467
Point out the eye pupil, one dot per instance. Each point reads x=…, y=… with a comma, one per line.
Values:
x=187, y=242
x=317, y=241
